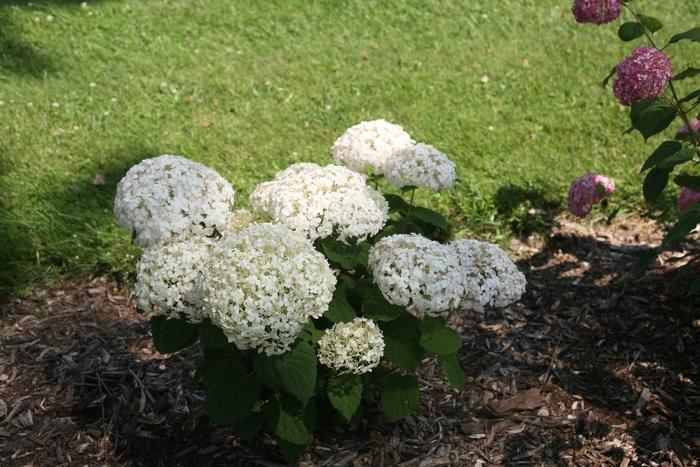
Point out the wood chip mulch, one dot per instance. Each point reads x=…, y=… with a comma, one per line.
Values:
x=591, y=368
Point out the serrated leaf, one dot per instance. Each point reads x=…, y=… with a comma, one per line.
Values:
x=172, y=334
x=375, y=306
x=678, y=158
x=651, y=23
x=688, y=181
x=654, y=183
x=690, y=35
x=402, y=342
x=429, y=217
x=438, y=338
x=666, y=149
x=400, y=396
x=650, y=117
x=230, y=392
x=630, y=31
x=212, y=336
x=687, y=73
x=345, y=394
x=293, y=372
x=453, y=370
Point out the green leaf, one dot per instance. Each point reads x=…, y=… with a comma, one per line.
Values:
x=686, y=223
x=396, y=203
x=654, y=183
x=247, y=428
x=375, y=306
x=345, y=393
x=453, y=370
x=680, y=157
x=687, y=73
x=650, y=117
x=644, y=261
x=606, y=80
x=231, y=392
x=291, y=421
x=690, y=96
x=630, y=31
x=408, y=188
x=293, y=372
x=340, y=310
x=651, y=23
x=347, y=256
x=400, y=396
x=429, y=217
x=291, y=451
x=438, y=338
x=690, y=35
x=401, y=339
x=310, y=334
x=212, y=336
x=171, y=335
x=688, y=181
x=694, y=288
x=666, y=149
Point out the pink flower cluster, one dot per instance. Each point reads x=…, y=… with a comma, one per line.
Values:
x=687, y=198
x=695, y=125
x=587, y=191
x=596, y=11
x=642, y=75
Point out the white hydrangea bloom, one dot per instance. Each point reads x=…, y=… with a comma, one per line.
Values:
x=417, y=273
x=490, y=278
x=263, y=284
x=238, y=220
x=421, y=165
x=168, y=277
x=170, y=195
x=322, y=201
x=370, y=144
x=354, y=347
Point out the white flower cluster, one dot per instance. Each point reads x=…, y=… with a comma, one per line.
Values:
x=171, y=195
x=322, y=201
x=420, y=165
x=238, y=220
x=263, y=284
x=490, y=278
x=354, y=347
x=370, y=144
x=418, y=273
x=168, y=277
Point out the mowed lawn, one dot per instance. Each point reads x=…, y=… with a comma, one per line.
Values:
x=509, y=89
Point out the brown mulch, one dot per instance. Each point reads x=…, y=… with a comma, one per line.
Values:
x=591, y=368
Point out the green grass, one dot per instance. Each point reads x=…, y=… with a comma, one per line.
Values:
x=250, y=87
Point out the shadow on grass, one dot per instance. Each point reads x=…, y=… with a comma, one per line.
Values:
x=527, y=208
x=69, y=224
x=17, y=54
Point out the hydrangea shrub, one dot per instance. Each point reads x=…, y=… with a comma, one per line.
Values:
x=324, y=300
x=658, y=93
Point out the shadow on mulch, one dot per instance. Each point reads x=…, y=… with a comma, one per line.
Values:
x=589, y=369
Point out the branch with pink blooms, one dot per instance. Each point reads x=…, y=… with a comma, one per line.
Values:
x=646, y=82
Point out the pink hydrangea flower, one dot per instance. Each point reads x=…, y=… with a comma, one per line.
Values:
x=695, y=125
x=587, y=191
x=596, y=11
x=642, y=75
x=686, y=198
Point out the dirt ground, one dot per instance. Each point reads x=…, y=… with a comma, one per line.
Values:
x=591, y=368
